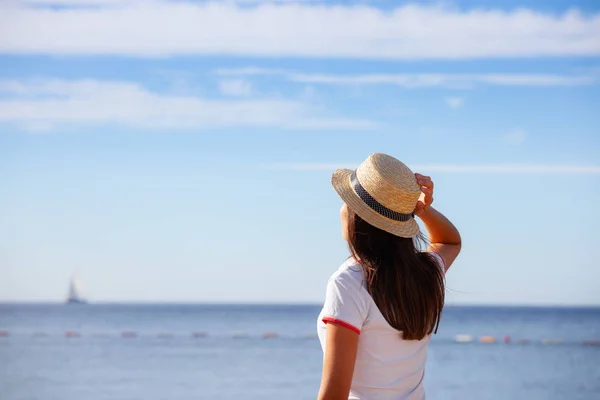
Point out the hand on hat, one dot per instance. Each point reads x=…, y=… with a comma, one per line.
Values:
x=426, y=198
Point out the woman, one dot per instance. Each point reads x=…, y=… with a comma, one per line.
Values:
x=384, y=302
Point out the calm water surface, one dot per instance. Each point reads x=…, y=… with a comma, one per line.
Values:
x=218, y=352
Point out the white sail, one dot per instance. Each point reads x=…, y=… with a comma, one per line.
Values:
x=75, y=295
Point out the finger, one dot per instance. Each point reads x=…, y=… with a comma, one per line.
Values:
x=419, y=207
x=428, y=196
x=426, y=183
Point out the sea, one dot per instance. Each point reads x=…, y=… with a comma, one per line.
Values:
x=252, y=352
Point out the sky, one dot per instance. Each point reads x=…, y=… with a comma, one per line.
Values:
x=181, y=151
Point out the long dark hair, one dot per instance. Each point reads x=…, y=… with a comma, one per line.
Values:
x=407, y=285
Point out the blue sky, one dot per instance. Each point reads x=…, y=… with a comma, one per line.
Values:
x=182, y=151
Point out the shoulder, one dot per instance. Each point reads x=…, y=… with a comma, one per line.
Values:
x=348, y=275
x=346, y=298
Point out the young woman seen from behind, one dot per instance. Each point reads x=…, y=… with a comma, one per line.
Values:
x=384, y=302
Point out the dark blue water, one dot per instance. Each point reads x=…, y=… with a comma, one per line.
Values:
x=218, y=352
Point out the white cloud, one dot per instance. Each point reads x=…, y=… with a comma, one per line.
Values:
x=76, y=3
x=105, y=3
x=165, y=28
x=58, y=103
x=456, y=81
x=309, y=166
x=416, y=80
x=459, y=168
x=454, y=102
x=516, y=136
x=513, y=169
x=235, y=87
x=251, y=71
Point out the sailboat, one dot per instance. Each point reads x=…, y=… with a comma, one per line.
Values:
x=74, y=296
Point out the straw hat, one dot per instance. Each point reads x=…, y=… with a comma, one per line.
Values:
x=382, y=191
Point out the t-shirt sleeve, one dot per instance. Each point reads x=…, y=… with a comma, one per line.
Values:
x=345, y=304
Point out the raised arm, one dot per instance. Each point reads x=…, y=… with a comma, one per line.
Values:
x=443, y=236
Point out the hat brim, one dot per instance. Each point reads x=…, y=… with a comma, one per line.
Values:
x=340, y=181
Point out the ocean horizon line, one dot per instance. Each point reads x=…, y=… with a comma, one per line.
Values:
x=280, y=304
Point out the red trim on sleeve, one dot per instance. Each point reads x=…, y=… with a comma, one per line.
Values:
x=341, y=323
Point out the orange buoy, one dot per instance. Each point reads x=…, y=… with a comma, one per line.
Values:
x=487, y=339
x=128, y=334
x=269, y=335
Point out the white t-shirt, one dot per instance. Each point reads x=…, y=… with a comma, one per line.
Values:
x=387, y=367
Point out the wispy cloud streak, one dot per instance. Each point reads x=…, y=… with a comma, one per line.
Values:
x=458, y=168
x=418, y=80
x=306, y=29
x=41, y=105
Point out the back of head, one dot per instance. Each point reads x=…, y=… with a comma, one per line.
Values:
x=407, y=285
